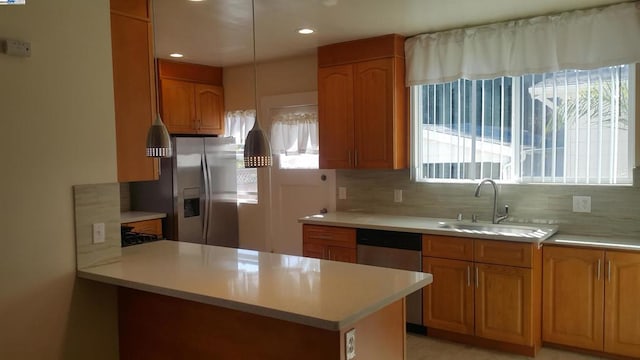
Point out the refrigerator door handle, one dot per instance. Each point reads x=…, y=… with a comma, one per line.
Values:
x=205, y=174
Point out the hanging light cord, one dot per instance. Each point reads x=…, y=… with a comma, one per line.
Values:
x=255, y=64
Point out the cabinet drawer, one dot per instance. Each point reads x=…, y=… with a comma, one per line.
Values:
x=503, y=253
x=147, y=226
x=447, y=247
x=330, y=235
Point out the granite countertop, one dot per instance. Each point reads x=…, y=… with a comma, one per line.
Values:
x=422, y=225
x=133, y=216
x=601, y=242
x=320, y=293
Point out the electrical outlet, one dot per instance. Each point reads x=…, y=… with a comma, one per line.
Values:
x=397, y=195
x=342, y=193
x=350, y=344
x=582, y=204
x=98, y=233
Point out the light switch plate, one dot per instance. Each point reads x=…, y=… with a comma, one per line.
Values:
x=582, y=204
x=98, y=233
x=342, y=193
x=350, y=344
x=397, y=195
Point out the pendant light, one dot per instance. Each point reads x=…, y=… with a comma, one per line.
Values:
x=158, y=140
x=257, y=150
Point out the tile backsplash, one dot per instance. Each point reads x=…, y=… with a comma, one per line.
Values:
x=615, y=210
x=97, y=203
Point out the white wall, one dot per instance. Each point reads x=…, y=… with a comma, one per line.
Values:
x=293, y=75
x=57, y=128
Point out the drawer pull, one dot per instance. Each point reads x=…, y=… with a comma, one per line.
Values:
x=598, y=269
x=477, y=280
x=609, y=270
x=468, y=275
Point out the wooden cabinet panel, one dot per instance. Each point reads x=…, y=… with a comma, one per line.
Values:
x=178, y=106
x=138, y=8
x=573, y=289
x=147, y=226
x=329, y=243
x=622, y=304
x=343, y=254
x=209, y=109
x=448, y=301
x=503, y=253
x=314, y=249
x=503, y=304
x=133, y=88
x=447, y=247
x=362, y=105
x=335, y=111
x=373, y=114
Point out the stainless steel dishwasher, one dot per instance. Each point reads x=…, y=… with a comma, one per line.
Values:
x=397, y=250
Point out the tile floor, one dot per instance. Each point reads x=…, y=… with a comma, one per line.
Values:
x=422, y=348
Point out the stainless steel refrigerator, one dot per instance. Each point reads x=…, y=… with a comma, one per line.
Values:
x=198, y=191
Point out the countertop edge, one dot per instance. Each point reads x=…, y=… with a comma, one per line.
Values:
x=135, y=216
x=332, y=325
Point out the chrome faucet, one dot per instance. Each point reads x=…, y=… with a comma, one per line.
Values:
x=496, y=216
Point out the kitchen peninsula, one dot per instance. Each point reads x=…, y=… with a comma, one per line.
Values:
x=184, y=300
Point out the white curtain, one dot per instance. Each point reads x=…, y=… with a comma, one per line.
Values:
x=294, y=133
x=238, y=123
x=582, y=39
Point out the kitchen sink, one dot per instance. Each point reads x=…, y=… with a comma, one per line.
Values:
x=501, y=230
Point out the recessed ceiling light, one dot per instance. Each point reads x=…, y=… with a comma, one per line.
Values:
x=176, y=55
x=306, y=31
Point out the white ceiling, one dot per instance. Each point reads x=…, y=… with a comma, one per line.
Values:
x=218, y=32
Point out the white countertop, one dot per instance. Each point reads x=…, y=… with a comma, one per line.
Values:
x=133, y=216
x=422, y=225
x=594, y=242
x=320, y=293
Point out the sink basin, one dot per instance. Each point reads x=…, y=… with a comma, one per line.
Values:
x=500, y=231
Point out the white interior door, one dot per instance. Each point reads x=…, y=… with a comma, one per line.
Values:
x=294, y=193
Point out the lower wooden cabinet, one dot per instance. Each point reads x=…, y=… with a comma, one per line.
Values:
x=591, y=299
x=329, y=243
x=153, y=226
x=486, y=291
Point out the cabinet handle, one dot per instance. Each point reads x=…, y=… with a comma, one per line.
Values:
x=329, y=258
x=477, y=280
x=323, y=237
x=598, y=270
x=609, y=270
x=468, y=275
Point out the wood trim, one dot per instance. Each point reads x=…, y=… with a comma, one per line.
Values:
x=175, y=70
x=401, y=120
x=385, y=46
x=599, y=354
x=140, y=10
x=530, y=351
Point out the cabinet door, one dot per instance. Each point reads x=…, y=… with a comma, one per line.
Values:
x=572, y=297
x=335, y=117
x=448, y=301
x=147, y=226
x=314, y=249
x=134, y=95
x=373, y=114
x=178, y=106
x=209, y=109
x=622, y=304
x=503, y=304
x=339, y=253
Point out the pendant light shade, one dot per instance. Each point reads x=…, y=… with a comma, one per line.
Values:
x=158, y=140
x=257, y=151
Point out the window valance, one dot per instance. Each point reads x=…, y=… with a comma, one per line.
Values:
x=581, y=39
x=295, y=133
x=238, y=123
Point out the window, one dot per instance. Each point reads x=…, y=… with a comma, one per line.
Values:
x=237, y=124
x=294, y=136
x=569, y=127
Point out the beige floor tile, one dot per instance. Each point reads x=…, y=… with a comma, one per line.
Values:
x=425, y=348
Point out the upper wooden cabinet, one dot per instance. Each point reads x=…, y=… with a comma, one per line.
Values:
x=133, y=87
x=362, y=104
x=591, y=299
x=192, y=98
